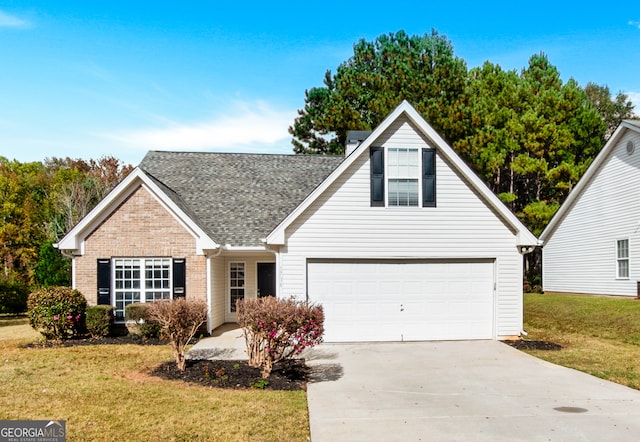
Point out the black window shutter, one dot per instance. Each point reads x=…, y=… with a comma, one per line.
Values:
x=179, y=278
x=376, y=155
x=428, y=178
x=104, y=281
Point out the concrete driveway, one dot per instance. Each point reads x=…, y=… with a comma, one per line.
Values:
x=460, y=391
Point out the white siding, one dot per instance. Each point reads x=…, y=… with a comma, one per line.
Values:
x=218, y=285
x=341, y=224
x=580, y=255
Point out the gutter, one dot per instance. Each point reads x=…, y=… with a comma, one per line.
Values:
x=230, y=248
x=64, y=253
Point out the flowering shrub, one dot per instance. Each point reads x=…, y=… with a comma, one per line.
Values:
x=57, y=312
x=179, y=320
x=99, y=320
x=278, y=329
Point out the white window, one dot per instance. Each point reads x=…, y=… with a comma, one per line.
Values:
x=236, y=283
x=403, y=172
x=140, y=280
x=622, y=258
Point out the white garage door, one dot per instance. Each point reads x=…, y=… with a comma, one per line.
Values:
x=403, y=300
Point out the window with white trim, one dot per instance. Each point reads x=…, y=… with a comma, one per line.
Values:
x=140, y=280
x=403, y=171
x=622, y=258
x=402, y=176
x=236, y=283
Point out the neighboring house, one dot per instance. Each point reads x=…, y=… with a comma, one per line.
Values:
x=592, y=244
x=400, y=240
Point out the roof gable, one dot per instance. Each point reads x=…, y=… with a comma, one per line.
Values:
x=593, y=170
x=222, y=199
x=524, y=237
x=73, y=240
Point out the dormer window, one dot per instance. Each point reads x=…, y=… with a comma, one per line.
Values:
x=408, y=177
x=403, y=172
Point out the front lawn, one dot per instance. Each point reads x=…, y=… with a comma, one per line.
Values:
x=105, y=392
x=599, y=335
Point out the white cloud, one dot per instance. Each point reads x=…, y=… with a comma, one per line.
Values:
x=245, y=126
x=11, y=21
x=634, y=97
x=635, y=23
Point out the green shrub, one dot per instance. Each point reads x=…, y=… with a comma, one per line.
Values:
x=57, y=312
x=138, y=321
x=99, y=320
x=52, y=268
x=13, y=297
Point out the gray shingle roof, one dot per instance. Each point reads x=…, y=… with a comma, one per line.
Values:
x=236, y=198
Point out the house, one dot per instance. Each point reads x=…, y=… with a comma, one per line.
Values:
x=592, y=244
x=399, y=240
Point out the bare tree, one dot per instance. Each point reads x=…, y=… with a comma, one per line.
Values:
x=179, y=321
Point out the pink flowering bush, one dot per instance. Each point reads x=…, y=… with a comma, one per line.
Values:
x=278, y=329
x=57, y=312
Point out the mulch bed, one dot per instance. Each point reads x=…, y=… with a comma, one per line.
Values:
x=523, y=344
x=236, y=374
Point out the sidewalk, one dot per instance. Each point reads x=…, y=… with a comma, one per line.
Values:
x=226, y=342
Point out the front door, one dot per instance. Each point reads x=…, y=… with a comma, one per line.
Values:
x=266, y=279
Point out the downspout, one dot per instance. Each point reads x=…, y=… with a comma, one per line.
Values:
x=72, y=257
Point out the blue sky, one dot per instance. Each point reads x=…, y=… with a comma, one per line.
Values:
x=85, y=79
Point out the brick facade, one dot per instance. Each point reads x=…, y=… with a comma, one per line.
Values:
x=140, y=227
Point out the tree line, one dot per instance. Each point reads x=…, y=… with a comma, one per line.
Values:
x=529, y=135
x=39, y=203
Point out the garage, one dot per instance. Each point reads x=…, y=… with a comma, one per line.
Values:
x=403, y=300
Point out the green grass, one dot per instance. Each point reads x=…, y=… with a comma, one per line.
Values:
x=599, y=335
x=105, y=393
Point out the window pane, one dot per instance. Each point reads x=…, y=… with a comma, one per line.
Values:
x=623, y=268
x=126, y=283
x=236, y=283
x=403, y=163
x=403, y=192
x=155, y=296
x=124, y=298
x=157, y=276
x=623, y=248
x=140, y=280
x=622, y=252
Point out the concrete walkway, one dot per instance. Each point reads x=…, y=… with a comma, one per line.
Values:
x=449, y=391
x=226, y=342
